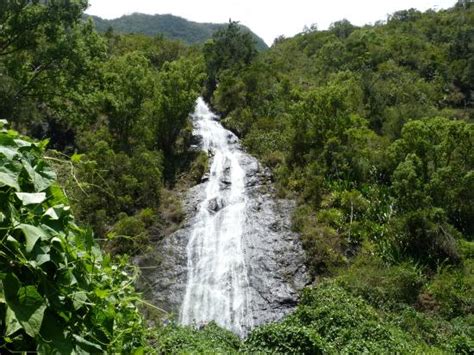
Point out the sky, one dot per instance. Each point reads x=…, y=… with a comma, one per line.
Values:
x=267, y=18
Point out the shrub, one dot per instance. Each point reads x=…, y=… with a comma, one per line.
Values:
x=451, y=336
x=453, y=290
x=209, y=339
x=380, y=284
x=323, y=245
x=114, y=182
x=348, y=322
x=128, y=236
x=58, y=292
x=171, y=212
x=425, y=237
x=199, y=167
x=330, y=320
x=284, y=338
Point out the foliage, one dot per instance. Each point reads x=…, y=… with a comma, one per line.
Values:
x=131, y=234
x=284, y=338
x=47, y=55
x=58, y=291
x=370, y=130
x=435, y=168
x=128, y=84
x=209, y=338
x=171, y=212
x=328, y=319
x=381, y=285
x=230, y=49
x=424, y=236
x=351, y=115
x=114, y=182
x=199, y=167
x=179, y=84
x=117, y=104
x=452, y=291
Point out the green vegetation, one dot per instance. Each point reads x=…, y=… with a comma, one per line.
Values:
x=168, y=26
x=58, y=292
x=185, y=340
x=369, y=129
x=117, y=106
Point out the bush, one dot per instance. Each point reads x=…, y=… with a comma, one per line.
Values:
x=209, y=339
x=452, y=290
x=382, y=285
x=425, y=237
x=114, y=182
x=346, y=322
x=452, y=337
x=199, y=167
x=284, y=338
x=330, y=320
x=171, y=212
x=130, y=235
x=323, y=245
x=58, y=292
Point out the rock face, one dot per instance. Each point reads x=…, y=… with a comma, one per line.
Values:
x=272, y=253
x=275, y=258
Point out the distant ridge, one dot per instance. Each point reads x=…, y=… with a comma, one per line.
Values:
x=170, y=26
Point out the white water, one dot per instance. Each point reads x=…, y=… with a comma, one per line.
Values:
x=217, y=284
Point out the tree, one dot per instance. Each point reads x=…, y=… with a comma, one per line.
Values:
x=24, y=23
x=178, y=87
x=434, y=165
x=342, y=29
x=230, y=48
x=46, y=52
x=128, y=85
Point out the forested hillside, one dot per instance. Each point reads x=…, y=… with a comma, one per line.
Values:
x=369, y=129
x=171, y=27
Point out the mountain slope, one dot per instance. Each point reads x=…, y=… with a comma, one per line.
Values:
x=170, y=26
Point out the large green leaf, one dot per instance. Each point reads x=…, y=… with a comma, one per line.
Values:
x=31, y=198
x=86, y=345
x=32, y=234
x=30, y=310
x=8, y=178
x=8, y=152
x=22, y=143
x=53, y=332
x=56, y=195
x=26, y=303
x=41, y=176
x=12, y=324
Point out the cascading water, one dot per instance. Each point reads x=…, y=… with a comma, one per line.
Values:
x=234, y=260
x=217, y=286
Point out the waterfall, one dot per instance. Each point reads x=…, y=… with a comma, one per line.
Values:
x=235, y=259
x=217, y=287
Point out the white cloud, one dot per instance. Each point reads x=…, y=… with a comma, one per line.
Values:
x=267, y=18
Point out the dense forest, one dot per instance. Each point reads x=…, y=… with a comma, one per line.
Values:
x=369, y=129
x=171, y=27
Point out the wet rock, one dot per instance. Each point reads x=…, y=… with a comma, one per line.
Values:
x=196, y=140
x=215, y=204
x=232, y=138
